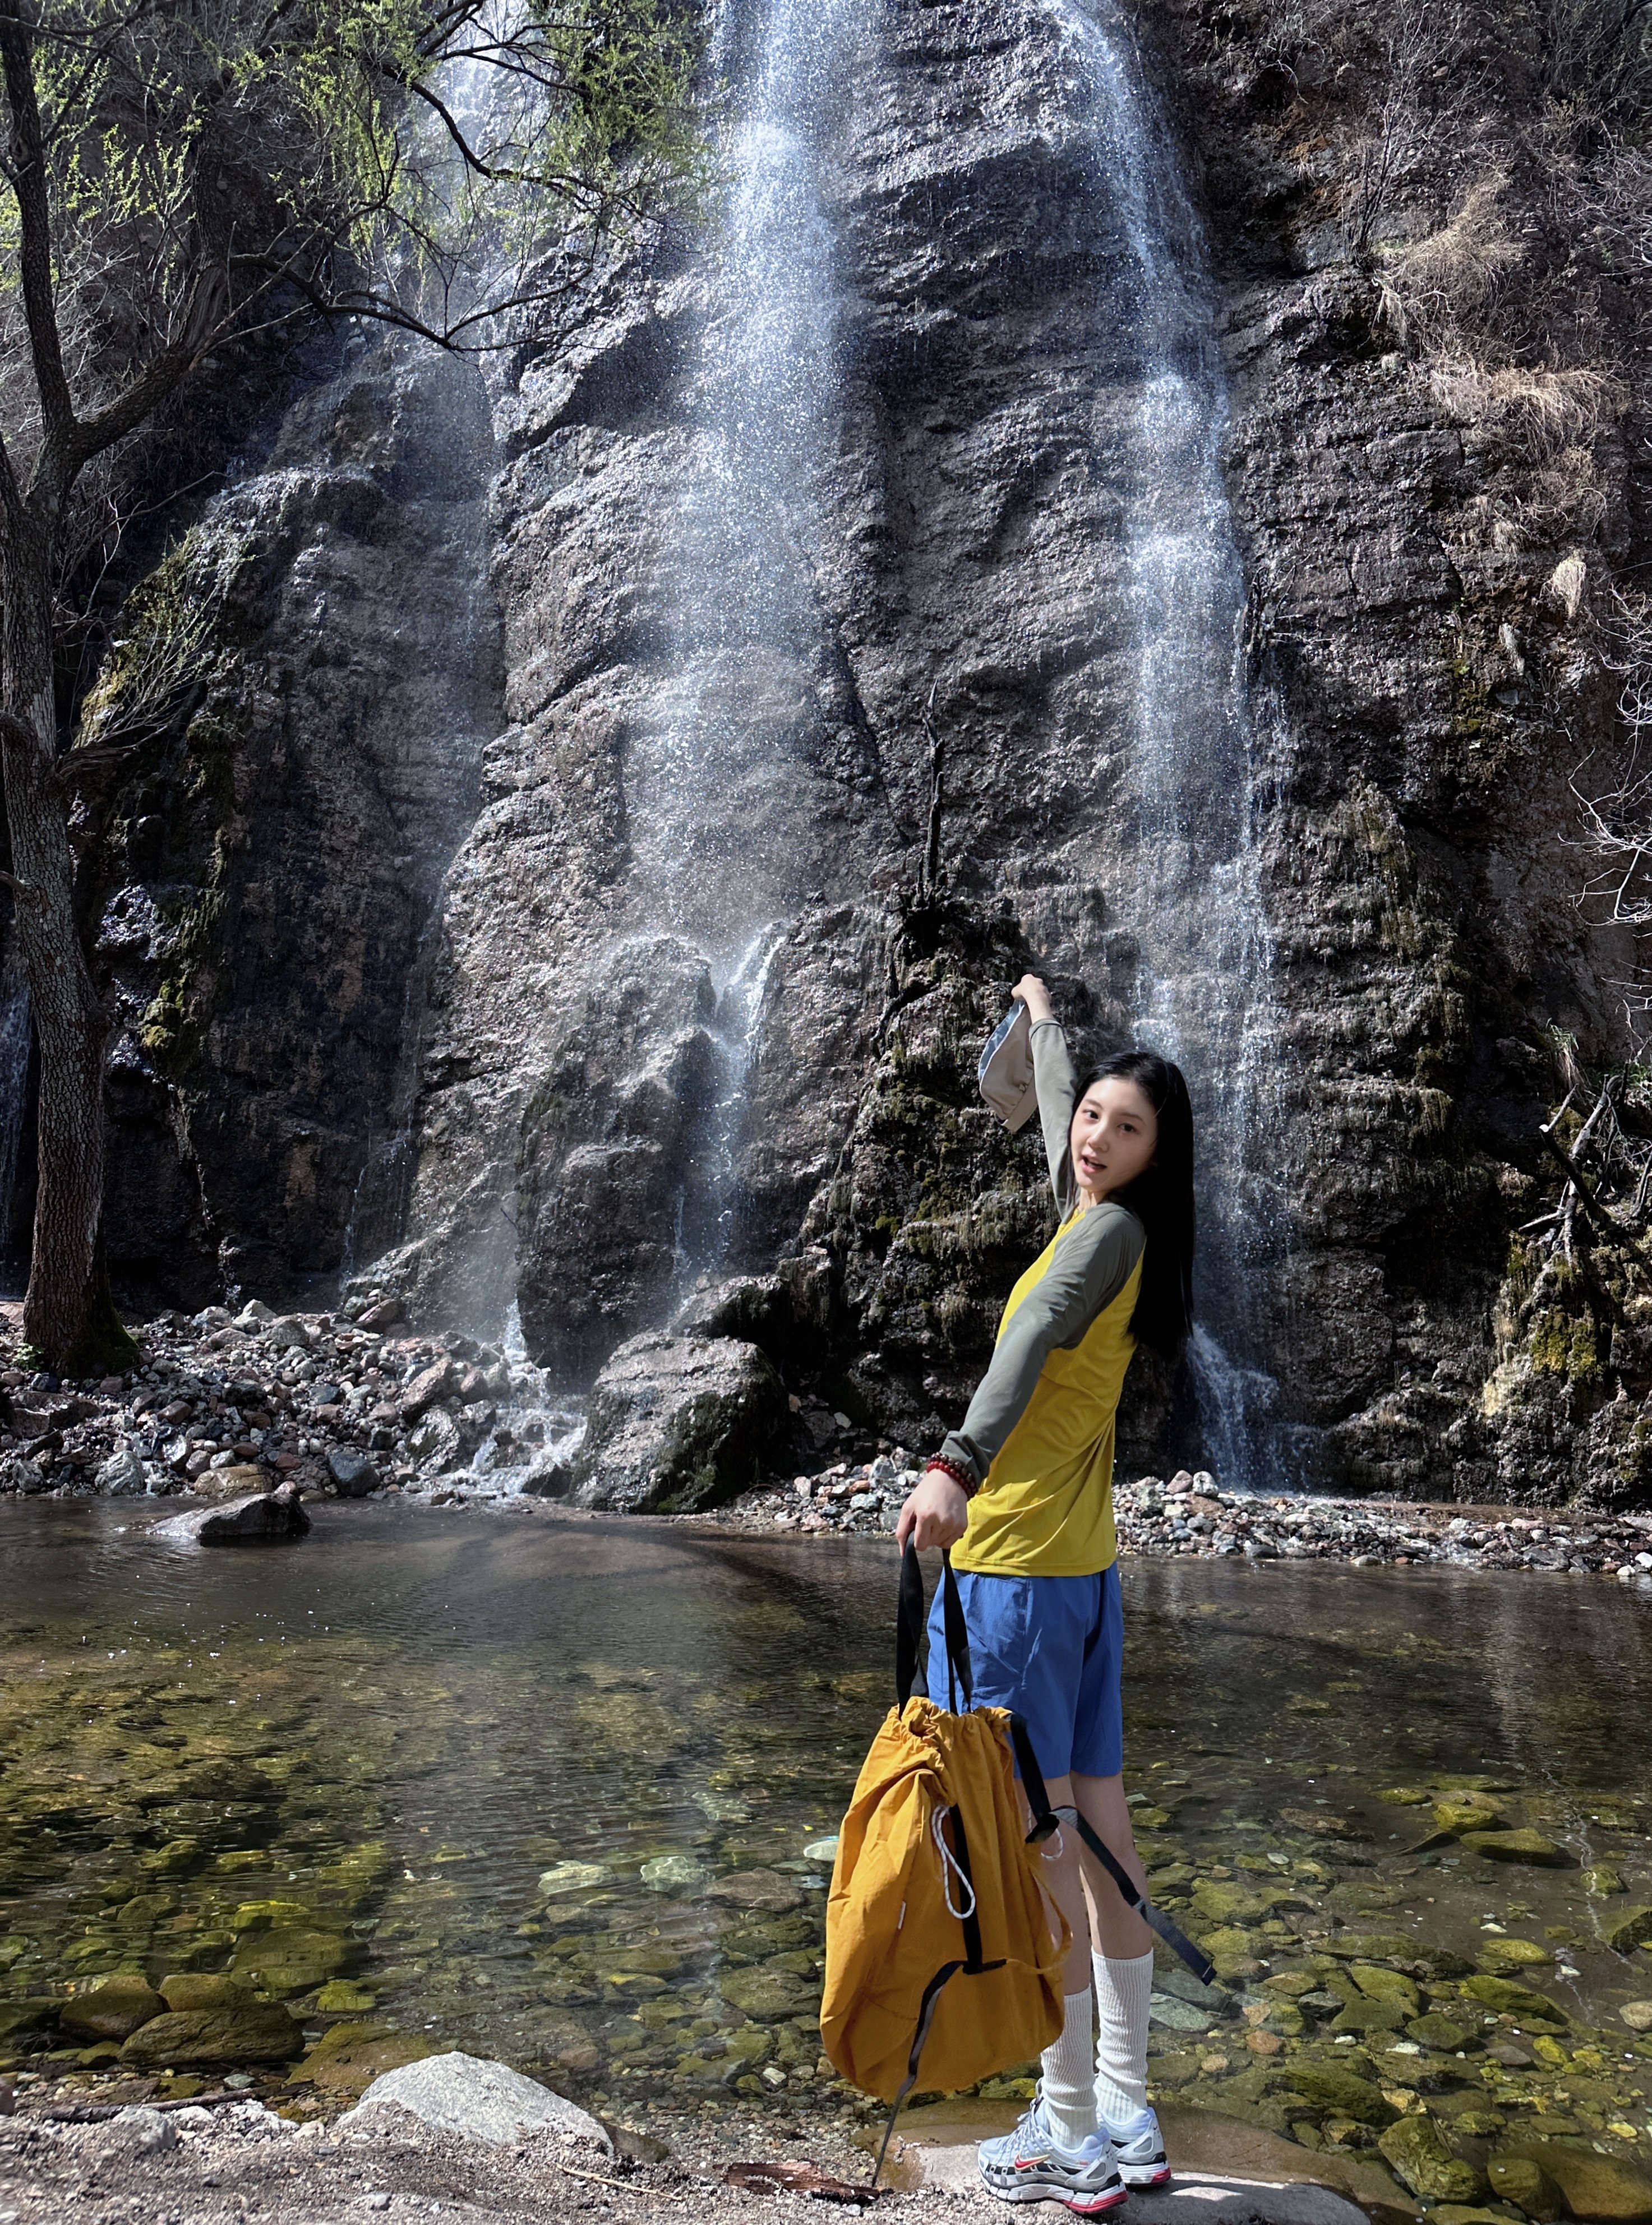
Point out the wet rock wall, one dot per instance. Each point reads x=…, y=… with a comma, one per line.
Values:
x=684, y=1014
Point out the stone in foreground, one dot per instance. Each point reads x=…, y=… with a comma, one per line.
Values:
x=677, y=1423
x=258, y=1520
x=478, y=2100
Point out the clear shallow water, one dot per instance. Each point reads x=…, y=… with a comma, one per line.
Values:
x=501, y=1770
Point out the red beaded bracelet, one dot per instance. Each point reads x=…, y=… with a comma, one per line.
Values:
x=959, y=1474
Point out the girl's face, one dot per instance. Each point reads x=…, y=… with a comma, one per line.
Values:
x=1115, y=1134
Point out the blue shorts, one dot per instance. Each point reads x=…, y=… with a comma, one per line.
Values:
x=1051, y=1648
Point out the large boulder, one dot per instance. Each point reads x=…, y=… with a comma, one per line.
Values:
x=677, y=1423
x=267, y=1515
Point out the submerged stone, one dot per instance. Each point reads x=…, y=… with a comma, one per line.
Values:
x=1510, y=2000
x=1479, y=1813
x=570, y=1876
x=114, y=2008
x=1370, y=2016
x=1339, y=2091
x=764, y=1992
x=1526, y=2184
x=1414, y=2148
x=1500, y=1955
x=1603, y=2189
x=673, y=1873
x=291, y=1961
x=766, y=1889
x=246, y=2032
x=1503, y=1846
x=1637, y=2015
x=1631, y=1931
x=1440, y=2032
x=347, y=2059
x=1379, y=1984
x=204, y=1989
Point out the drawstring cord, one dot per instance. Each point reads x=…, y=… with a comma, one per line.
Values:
x=949, y=1862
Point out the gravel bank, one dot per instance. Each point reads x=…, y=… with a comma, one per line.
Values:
x=1190, y=1514
x=357, y=1404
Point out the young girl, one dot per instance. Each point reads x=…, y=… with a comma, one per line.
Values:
x=1027, y=1485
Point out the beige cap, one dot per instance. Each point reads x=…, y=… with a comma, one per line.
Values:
x=1006, y=1070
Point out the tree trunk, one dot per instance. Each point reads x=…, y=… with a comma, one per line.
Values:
x=68, y=1316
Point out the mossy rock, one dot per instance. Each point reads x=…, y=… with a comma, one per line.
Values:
x=347, y=2059
x=204, y=1989
x=1370, y=2016
x=1440, y=2032
x=1336, y=2090
x=1607, y=2189
x=1500, y=1956
x=1600, y=1881
x=114, y=2009
x=1379, y=1984
x=1505, y=1846
x=1460, y=1816
x=291, y=1961
x=245, y=2032
x=1227, y=1905
x=270, y=1915
x=17, y=2018
x=1526, y=2184
x=1631, y=1931
x=764, y=1992
x=145, y=1910
x=1510, y=2000
x=1422, y=2161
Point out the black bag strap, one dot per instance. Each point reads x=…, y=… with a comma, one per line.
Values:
x=1195, y=1958
x=909, y=1627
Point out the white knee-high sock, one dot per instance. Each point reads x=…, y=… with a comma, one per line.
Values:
x=1069, y=2081
x=1124, y=1984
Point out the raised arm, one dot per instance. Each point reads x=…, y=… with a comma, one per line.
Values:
x=1055, y=1081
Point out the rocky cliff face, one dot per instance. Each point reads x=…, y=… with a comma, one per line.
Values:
x=683, y=1008
x=305, y=683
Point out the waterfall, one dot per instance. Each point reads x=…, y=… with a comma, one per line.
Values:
x=1203, y=989
x=739, y=712
x=724, y=838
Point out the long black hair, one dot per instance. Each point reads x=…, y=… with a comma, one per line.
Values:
x=1160, y=1197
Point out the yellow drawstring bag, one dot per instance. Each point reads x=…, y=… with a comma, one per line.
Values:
x=936, y=1879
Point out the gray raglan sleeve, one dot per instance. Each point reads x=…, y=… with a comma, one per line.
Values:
x=1057, y=1086
x=1092, y=1266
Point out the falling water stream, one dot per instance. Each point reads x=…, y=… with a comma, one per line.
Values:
x=1203, y=993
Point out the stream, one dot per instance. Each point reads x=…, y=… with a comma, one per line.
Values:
x=557, y=1791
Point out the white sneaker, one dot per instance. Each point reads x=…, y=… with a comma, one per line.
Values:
x=1029, y=2164
x=1141, y=2157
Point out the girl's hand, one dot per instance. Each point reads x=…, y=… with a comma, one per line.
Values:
x=1030, y=991
x=936, y=1512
